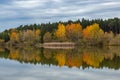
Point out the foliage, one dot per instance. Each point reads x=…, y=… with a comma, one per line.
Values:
x=47, y=37
x=115, y=40
x=74, y=31
x=89, y=32
x=93, y=34
x=14, y=36
x=60, y=33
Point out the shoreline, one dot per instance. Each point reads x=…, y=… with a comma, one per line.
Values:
x=53, y=45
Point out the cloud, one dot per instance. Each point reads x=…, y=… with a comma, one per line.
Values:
x=13, y=70
x=37, y=11
x=28, y=3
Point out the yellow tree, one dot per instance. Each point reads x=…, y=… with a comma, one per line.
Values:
x=14, y=36
x=86, y=32
x=93, y=33
x=74, y=31
x=37, y=35
x=29, y=36
x=60, y=33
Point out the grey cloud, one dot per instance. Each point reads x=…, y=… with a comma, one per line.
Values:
x=13, y=70
x=38, y=11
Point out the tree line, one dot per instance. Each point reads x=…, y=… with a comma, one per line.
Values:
x=82, y=32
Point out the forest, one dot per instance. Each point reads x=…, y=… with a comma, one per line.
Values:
x=81, y=32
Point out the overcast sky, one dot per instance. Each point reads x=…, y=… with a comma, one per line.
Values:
x=17, y=12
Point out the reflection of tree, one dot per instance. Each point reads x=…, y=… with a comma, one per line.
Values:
x=93, y=59
x=85, y=57
x=60, y=57
x=4, y=53
x=74, y=60
x=47, y=54
x=113, y=64
x=14, y=54
x=26, y=55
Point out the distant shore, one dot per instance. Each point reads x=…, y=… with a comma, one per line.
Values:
x=50, y=45
x=55, y=45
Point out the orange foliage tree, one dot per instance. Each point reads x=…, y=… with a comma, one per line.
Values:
x=37, y=35
x=93, y=59
x=74, y=31
x=14, y=36
x=93, y=33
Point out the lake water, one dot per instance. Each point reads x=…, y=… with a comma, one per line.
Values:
x=90, y=63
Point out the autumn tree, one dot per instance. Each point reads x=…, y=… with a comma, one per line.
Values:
x=115, y=40
x=60, y=33
x=107, y=38
x=29, y=36
x=74, y=31
x=37, y=35
x=47, y=37
x=21, y=36
x=14, y=36
x=93, y=34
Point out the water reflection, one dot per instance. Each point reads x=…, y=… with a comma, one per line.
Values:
x=79, y=57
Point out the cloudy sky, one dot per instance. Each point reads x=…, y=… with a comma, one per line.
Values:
x=13, y=70
x=16, y=12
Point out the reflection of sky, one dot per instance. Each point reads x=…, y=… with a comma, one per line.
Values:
x=16, y=12
x=13, y=70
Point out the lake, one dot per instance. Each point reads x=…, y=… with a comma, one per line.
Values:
x=79, y=63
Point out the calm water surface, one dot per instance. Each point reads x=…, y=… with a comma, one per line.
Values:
x=59, y=64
